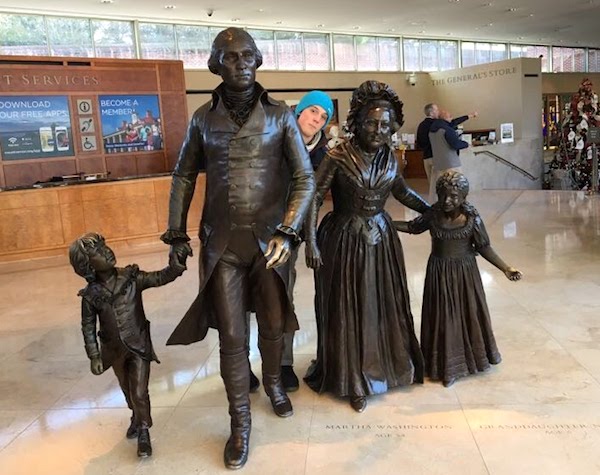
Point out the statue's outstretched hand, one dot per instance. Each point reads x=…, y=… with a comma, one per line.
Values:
x=513, y=274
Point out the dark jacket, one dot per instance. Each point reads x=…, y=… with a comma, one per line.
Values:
x=258, y=177
x=423, y=130
x=123, y=324
x=318, y=153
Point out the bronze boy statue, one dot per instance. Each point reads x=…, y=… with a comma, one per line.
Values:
x=114, y=297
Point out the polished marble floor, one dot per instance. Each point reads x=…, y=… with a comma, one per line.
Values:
x=536, y=413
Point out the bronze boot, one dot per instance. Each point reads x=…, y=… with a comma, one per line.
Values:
x=235, y=372
x=271, y=351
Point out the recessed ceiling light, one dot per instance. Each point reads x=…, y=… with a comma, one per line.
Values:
x=107, y=2
x=260, y=10
x=170, y=7
x=512, y=9
x=531, y=14
x=489, y=4
x=453, y=1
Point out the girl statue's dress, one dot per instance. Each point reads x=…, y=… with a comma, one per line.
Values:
x=456, y=330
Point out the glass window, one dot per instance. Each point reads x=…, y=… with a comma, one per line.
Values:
x=193, y=45
x=316, y=52
x=157, y=41
x=579, y=60
x=343, y=53
x=389, y=54
x=23, y=35
x=482, y=53
x=499, y=52
x=594, y=60
x=411, y=49
x=265, y=41
x=568, y=59
x=468, y=53
x=113, y=39
x=528, y=51
x=289, y=50
x=367, y=58
x=448, y=55
x=429, y=55
x=69, y=36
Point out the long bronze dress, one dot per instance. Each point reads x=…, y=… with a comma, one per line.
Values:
x=366, y=337
x=456, y=330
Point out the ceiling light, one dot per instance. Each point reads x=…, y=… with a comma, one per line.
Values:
x=391, y=30
x=531, y=14
x=512, y=9
x=260, y=10
x=487, y=4
x=278, y=22
x=417, y=23
x=170, y=7
x=520, y=37
x=107, y=2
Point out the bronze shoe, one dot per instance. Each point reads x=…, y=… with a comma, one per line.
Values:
x=358, y=403
x=236, y=449
x=132, y=430
x=144, y=448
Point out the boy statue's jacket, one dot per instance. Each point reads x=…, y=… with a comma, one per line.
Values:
x=123, y=324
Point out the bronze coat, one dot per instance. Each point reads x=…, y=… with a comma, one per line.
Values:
x=121, y=316
x=258, y=177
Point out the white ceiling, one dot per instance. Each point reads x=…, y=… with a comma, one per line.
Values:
x=558, y=22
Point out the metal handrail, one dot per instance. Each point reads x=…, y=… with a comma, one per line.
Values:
x=507, y=163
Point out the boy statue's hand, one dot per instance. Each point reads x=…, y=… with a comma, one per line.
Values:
x=96, y=365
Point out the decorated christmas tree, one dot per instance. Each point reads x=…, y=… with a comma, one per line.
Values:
x=574, y=154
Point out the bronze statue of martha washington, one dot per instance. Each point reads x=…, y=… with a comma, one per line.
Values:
x=259, y=184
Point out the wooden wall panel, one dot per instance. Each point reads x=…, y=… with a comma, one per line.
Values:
x=150, y=163
x=58, y=168
x=121, y=211
x=175, y=126
x=22, y=174
x=121, y=165
x=91, y=164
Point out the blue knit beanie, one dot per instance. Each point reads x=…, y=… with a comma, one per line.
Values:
x=316, y=98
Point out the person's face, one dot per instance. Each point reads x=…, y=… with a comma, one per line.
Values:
x=237, y=66
x=101, y=257
x=435, y=112
x=311, y=120
x=451, y=199
x=375, y=130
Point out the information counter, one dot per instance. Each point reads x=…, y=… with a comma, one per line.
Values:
x=43, y=222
